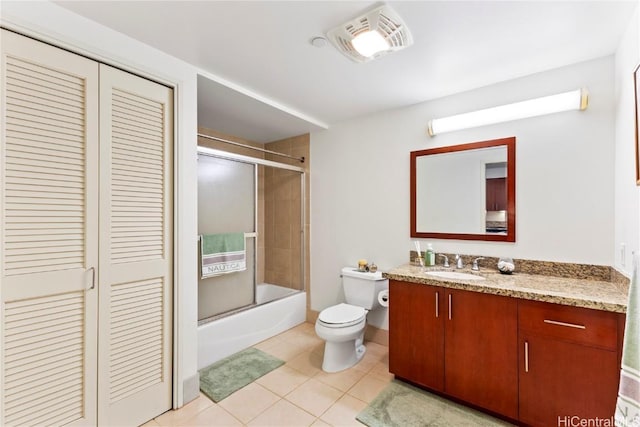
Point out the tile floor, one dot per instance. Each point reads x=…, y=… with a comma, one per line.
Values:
x=298, y=393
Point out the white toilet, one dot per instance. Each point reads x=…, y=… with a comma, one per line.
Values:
x=342, y=326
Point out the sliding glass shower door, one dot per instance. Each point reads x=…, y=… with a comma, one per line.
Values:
x=227, y=203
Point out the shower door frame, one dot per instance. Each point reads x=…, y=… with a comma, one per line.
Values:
x=212, y=152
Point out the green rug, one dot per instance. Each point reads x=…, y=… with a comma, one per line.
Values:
x=236, y=371
x=403, y=405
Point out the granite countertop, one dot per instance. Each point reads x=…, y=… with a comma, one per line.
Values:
x=594, y=294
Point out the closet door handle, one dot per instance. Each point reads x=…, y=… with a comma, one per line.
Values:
x=526, y=356
x=449, y=306
x=437, y=304
x=93, y=278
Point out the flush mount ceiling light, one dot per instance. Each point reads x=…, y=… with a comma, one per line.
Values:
x=575, y=100
x=371, y=35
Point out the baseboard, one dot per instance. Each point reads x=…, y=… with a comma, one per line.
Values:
x=191, y=388
x=376, y=335
x=312, y=315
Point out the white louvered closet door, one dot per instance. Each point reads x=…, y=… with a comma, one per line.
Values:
x=48, y=250
x=135, y=283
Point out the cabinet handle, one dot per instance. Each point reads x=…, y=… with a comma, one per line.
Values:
x=569, y=325
x=526, y=356
x=449, y=306
x=437, y=304
x=93, y=278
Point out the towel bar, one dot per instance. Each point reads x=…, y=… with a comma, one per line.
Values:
x=246, y=235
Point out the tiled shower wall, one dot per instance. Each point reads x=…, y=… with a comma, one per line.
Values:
x=283, y=208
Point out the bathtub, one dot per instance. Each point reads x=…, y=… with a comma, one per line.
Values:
x=282, y=308
x=266, y=292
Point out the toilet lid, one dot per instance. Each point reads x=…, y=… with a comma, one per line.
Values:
x=342, y=313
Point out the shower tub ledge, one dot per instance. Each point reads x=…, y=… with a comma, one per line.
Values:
x=228, y=335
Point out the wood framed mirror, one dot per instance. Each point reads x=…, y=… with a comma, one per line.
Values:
x=465, y=192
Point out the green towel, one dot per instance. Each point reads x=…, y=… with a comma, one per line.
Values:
x=222, y=253
x=628, y=406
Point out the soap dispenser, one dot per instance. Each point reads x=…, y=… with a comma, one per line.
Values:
x=430, y=258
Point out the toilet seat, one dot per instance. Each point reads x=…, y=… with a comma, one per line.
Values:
x=342, y=315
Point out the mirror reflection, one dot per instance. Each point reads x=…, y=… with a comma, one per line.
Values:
x=465, y=191
x=496, y=197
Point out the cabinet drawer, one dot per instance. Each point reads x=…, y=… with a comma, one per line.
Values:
x=581, y=325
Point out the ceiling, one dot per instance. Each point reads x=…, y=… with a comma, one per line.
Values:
x=261, y=79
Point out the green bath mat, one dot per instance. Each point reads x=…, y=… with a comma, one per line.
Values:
x=236, y=371
x=403, y=405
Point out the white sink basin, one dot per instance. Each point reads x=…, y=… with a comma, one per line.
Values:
x=454, y=275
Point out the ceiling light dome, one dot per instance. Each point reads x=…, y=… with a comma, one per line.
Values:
x=371, y=35
x=368, y=43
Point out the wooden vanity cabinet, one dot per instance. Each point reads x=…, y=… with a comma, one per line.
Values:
x=568, y=361
x=457, y=342
x=536, y=362
x=416, y=333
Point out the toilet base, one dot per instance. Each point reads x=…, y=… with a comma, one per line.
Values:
x=339, y=356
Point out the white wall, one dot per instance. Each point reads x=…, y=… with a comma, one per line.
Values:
x=627, y=198
x=564, y=178
x=58, y=26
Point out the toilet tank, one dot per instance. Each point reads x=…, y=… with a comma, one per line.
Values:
x=361, y=288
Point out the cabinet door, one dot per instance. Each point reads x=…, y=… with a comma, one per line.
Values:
x=49, y=234
x=560, y=380
x=568, y=361
x=481, y=366
x=416, y=345
x=496, y=194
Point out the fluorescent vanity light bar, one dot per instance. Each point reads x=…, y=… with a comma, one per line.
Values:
x=575, y=100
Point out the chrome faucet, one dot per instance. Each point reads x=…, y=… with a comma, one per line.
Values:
x=459, y=263
x=475, y=267
x=446, y=260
